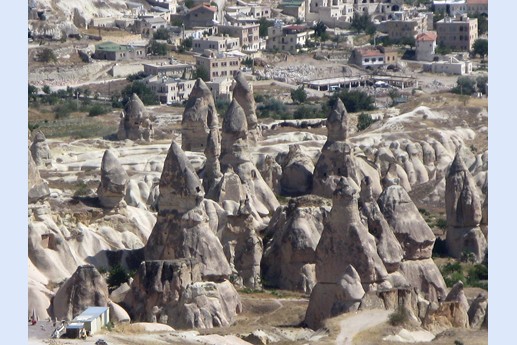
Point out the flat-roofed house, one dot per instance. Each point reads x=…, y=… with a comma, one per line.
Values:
x=92, y=320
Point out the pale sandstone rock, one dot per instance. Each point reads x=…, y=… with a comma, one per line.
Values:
x=478, y=311
x=40, y=150
x=199, y=117
x=135, y=123
x=296, y=172
x=37, y=187
x=243, y=94
x=114, y=180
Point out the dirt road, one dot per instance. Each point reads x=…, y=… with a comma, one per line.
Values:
x=362, y=320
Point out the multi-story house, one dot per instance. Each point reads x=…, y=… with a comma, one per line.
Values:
x=404, y=26
x=116, y=52
x=216, y=43
x=287, y=38
x=425, y=45
x=218, y=64
x=170, y=90
x=450, y=7
x=458, y=33
x=248, y=36
x=374, y=56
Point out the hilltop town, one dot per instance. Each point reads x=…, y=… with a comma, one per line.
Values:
x=274, y=172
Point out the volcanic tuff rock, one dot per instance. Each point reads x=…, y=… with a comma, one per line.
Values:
x=199, y=117
x=388, y=247
x=234, y=143
x=85, y=288
x=337, y=158
x=331, y=299
x=170, y=292
x=39, y=149
x=37, y=187
x=243, y=94
x=413, y=233
x=271, y=172
x=212, y=170
x=114, y=181
x=183, y=228
x=346, y=241
x=134, y=122
x=289, y=258
x=243, y=247
x=478, y=311
x=464, y=212
x=296, y=172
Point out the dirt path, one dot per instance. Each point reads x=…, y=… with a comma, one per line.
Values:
x=359, y=322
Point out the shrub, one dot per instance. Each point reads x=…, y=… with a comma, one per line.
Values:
x=98, y=109
x=158, y=48
x=441, y=223
x=147, y=95
x=82, y=189
x=65, y=109
x=464, y=86
x=399, y=317
x=161, y=34
x=47, y=55
x=202, y=73
x=259, y=98
x=137, y=76
x=364, y=121
x=354, y=100
x=116, y=277
x=309, y=112
x=222, y=106
x=274, y=108
x=299, y=95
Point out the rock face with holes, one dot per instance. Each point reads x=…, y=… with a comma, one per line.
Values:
x=171, y=292
x=464, y=212
x=296, y=172
x=290, y=255
x=114, y=181
x=135, y=123
x=37, y=187
x=39, y=149
x=183, y=228
x=85, y=288
x=243, y=94
x=338, y=159
x=199, y=117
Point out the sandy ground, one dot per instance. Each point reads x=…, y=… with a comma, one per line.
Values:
x=358, y=322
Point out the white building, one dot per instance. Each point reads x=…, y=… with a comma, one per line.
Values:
x=450, y=7
x=450, y=66
x=425, y=46
x=171, y=90
x=215, y=43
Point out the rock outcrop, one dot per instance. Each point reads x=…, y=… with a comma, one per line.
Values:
x=85, y=288
x=135, y=123
x=199, y=117
x=290, y=255
x=346, y=255
x=388, y=247
x=478, y=311
x=171, y=292
x=415, y=237
x=182, y=229
x=37, y=187
x=40, y=150
x=464, y=212
x=212, y=171
x=296, y=172
x=271, y=172
x=243, y=94
x=114, y=181
x=337, y=158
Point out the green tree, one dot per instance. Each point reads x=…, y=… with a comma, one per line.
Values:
x=319, y=29
x=189, y=3
x=248, y=62
x=201, y=72
x=481, y=83
x=98, y=109
x=480, y=47
x=263, y=25
x=363, y=23
x=158, y=48
x=116, y=277
x=46, y=89
x=161, y=34
x=47, y=55
x=464, y=86
x=354, y=100
x=33, y=91
x=299, y=95
x=364, y=121
x=147, y=95
x=187, y=43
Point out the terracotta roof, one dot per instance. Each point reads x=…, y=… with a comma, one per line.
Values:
x=427, y=36
x=295, y=27
x=205, y=6
x=369, y=52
